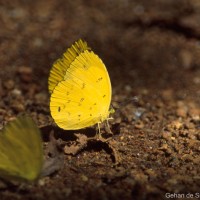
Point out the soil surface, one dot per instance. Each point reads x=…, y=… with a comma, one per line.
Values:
x=152, y=53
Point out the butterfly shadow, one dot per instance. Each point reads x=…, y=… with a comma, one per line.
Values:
x=70, y=135
x=65, y=135
x=75, y=142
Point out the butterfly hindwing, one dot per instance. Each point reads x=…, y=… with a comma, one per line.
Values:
x=83, y=97
x=21, y=153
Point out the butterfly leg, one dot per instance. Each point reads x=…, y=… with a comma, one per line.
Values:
x=107, y=127
x=107, y=131
x=99, y=135
x=99, y=128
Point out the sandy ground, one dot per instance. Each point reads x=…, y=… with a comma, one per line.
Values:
x=151, y=50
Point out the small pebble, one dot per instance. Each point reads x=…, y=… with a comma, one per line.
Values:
x=41, y=98
x=25, y=73
x=128, y=88
x=9, y=84
x=181, y=112
x=151, y=173
x=166, y=135
x=84, y=178
x=139, y=125
x=16, y=92
x=167, y=94
x=18, y=107
x=186, y=58
x=163, y=147
x=177, y=124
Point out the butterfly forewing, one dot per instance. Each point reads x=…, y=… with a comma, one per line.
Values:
x=60, y=67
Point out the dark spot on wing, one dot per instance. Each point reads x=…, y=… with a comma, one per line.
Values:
x=83, y=86
x=104, y=96
x=99, y=79
x=82, y=99
x=59, y=109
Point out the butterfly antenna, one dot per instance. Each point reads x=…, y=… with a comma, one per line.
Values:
x=121, y=105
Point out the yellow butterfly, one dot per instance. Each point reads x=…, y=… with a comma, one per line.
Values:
x=21, y=151
x=80, y=88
